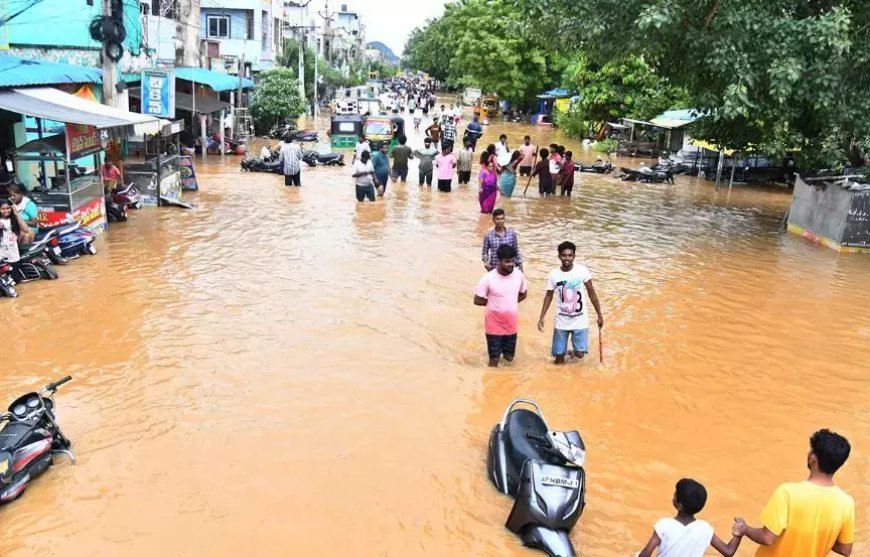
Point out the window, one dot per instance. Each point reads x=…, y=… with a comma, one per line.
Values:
x=218, y=26
x=250, y=17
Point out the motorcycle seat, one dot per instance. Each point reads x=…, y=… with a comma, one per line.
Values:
x=12, y=434
x=520, y=448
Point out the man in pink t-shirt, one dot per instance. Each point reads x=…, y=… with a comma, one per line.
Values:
x=445, y=162
x=501, y=291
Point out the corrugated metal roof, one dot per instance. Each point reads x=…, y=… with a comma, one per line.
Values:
x=216, y=80
x=20, y=72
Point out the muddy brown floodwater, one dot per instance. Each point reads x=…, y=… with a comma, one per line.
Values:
x=286, y=372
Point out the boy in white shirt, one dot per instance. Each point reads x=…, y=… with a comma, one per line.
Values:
x=684, y=535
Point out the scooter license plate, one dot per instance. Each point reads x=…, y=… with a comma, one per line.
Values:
x=56, y=251
x=570, y=483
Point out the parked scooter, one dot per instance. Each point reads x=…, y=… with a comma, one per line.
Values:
x=7, y=284
x=313, y=158
x=72, y=239
x=600, y=167
x=115, y=212
x=29, y=440
x=127, y=196
x=543, y=470
x=34, y=263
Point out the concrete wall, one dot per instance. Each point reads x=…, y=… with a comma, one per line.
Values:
x=240, y=42
x=832, y=215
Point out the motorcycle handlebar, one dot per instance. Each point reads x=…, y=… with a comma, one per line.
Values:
x=538, y=438
x=56, y=384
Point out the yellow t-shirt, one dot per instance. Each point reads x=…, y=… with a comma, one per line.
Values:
x=808, y=518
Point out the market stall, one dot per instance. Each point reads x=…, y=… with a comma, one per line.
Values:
x=159, y=176
x=65, y=190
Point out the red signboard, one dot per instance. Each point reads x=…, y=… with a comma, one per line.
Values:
x=92, y=215
x=81, y=140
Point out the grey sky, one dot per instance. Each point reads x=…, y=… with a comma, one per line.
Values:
x=391, y=21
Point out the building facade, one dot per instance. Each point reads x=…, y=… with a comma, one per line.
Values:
x=241, y=36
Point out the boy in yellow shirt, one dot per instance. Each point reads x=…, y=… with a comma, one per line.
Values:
x=809, y=518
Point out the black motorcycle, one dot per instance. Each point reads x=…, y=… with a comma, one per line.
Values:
x=313, y=158
x=651, y=176
x=543, y=470
x=34, y=263
x=260, y=165
x=29, y=440
x=598, y=167
x=7, y=283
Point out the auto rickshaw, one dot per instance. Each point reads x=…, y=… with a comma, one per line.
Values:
x=487, y=107
x=380, y=130
x=344, y=130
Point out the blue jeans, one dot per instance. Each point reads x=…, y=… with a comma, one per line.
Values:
x=579, y=341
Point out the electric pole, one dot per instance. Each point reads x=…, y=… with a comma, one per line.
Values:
x=110, y=77
x=301, y=62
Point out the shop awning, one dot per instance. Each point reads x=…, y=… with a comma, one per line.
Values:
x=183, y=101
x=20, y=72
x=218, y=81
x=53, y=104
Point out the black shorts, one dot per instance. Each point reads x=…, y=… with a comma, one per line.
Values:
x=293, y=179
x=464, y=176
x=400, y=174
x=501, y=345
x=363, y=192
x=525, y=171
x=444, y=185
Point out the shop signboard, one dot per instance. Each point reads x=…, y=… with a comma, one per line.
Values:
x=92, y=215
x=82, y=140
x=170, y=187
x=188, y=174
x=158, y=93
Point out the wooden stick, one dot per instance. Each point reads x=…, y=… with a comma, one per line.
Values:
x=535, y=160
x=600, y=347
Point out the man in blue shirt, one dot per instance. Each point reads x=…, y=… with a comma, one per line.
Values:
x=474, y=130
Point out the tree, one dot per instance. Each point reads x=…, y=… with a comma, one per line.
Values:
x=624, y=87
x=277, y=99
x=486, y=44
x=772, y=75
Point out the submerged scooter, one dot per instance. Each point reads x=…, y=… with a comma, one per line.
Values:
x=35, y=263
x=7, y=284
x=543, y=470
x=29, y=439
x=72, y=240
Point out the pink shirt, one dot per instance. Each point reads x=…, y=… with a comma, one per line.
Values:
x=502, y=307
x=528, y=153
x=445, y=166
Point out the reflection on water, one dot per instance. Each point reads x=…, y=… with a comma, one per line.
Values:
x=287, y=370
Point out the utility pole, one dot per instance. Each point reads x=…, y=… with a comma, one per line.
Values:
x=241, y=77
x=110, y=77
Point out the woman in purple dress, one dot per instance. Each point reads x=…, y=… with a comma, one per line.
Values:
x=488, y=188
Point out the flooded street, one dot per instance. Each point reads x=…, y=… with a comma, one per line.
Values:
x=286, y=372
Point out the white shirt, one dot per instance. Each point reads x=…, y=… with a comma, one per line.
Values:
x=8, y=242
x=366, y=179
x=691, y=540
x=360, y=148
x=502, y=153
x=572, y=300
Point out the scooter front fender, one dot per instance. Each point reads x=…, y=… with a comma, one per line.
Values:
x=555, y=543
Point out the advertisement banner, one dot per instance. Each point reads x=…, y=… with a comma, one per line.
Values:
x=158, y=93
x=92, y=215
x=170, y=187
x=81, y=140
x=188, y=174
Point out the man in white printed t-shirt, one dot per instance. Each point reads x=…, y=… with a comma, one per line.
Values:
x=685, y=535
x=571, y=285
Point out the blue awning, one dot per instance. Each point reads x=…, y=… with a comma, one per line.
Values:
x=21, y=72
x=216, y=80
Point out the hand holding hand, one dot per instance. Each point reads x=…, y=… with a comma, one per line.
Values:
x=739, y=527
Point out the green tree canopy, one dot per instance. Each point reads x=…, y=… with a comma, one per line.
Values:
x=772, y=74
x=277, y=99
x=623, y=87
x=486, y=44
